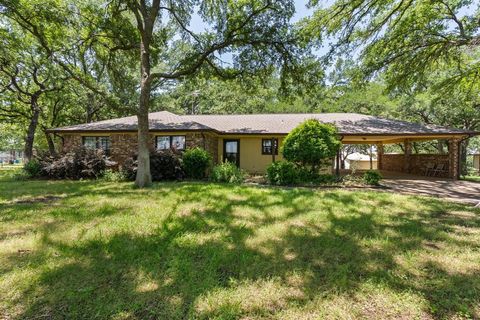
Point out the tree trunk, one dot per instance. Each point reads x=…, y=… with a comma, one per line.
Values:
x=51, y=144
x=32, y=127
x=144, y=178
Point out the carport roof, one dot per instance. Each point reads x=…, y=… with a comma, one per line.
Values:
x=347, y=123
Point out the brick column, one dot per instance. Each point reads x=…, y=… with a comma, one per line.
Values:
x=380, y=152
x=453, y=158
x=406, y=160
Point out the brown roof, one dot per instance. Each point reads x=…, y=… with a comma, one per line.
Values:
x=347, y=124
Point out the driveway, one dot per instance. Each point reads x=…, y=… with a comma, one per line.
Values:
x=455, y=190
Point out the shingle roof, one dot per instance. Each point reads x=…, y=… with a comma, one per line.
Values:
x=347, y=124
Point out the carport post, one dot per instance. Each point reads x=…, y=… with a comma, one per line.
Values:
x=337, y=163
x=453, y=158
x=408, y=151
x=380, y=151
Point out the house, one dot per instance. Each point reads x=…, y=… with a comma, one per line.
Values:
x=359, y=161
x=11, y=156
x=252, y=141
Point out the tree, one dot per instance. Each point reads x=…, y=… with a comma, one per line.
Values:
x=25, y=77
x=311, y=143
x=406, y=39
x=69, y=40
x=255, y=34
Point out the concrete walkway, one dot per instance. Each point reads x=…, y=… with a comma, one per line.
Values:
x=461, y=191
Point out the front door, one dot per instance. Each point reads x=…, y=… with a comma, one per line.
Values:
x=231, y=151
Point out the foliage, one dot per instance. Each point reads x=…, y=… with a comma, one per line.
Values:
x=308, y=177
x=282, y=173
x=80, y=163
x=164, y=165
x=33, y=168
x=196, y=162
x=287, y=173
x=310, y=144
x=227, y=172
x=372, y=177
x=404, y=39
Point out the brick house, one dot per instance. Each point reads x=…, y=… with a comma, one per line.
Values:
x=252, y=141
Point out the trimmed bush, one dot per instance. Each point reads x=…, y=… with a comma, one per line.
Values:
x=227, y=172
x=311, y=144
x=196, y=162
x=372, y=177
x=282, y=173
x=33, y=168
x=164, y=165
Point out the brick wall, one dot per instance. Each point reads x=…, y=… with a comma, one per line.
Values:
x=205, y=140
x=124, y=145
x=416, y=163
x=70, y=142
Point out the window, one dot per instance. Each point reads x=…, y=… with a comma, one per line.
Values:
x=102, y=143
x=268, y=145
x=163, y=143
x=178, y=142
x=170, y=142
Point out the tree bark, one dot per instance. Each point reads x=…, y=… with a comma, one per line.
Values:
x=144, y=178
x=51, y=144
x=32, y=127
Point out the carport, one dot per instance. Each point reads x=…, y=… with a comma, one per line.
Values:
x=381, y=132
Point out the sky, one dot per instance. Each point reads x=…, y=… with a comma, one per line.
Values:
x=301, y=11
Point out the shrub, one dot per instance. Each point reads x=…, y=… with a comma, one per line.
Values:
x=81, y=163
x=372, y=177
x=227, y=172
x=196, y=162
x=164, y=165
x=114, y=176
x=311, y=144
x=32, y=168
x=307, y=176
x=282, y=173
x=129, y=169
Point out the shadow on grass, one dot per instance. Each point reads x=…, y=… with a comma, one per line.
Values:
x=193, y=253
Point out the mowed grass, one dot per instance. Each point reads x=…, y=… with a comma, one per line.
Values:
x=471, y=178
x=97, y=250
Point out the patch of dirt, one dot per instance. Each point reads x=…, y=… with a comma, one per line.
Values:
x=24, y=251
x=43, y=199
x=12, y=234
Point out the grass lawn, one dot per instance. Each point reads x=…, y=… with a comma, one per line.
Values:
x=471, y=178
x=100, y=250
